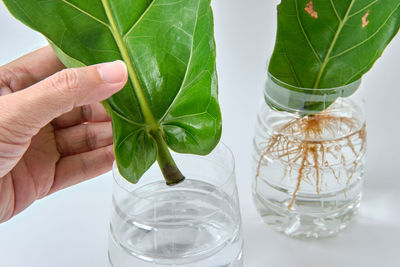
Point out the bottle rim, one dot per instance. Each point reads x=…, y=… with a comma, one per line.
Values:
x=123, y=184
x=307, y=89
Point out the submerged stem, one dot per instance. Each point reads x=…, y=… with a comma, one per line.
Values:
x=167, y=164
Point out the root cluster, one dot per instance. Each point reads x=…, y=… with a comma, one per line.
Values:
x=306, y=143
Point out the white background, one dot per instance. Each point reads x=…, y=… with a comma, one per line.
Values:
x=69, y=228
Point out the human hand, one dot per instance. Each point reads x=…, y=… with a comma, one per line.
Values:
x=53, y=131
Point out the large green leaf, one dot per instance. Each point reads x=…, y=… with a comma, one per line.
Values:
x=330, y=43
x=168, y=46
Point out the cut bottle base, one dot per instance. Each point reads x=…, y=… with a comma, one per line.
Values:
x=113, y=259
x=296, y=224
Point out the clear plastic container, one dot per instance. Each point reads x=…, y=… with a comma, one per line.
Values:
x=193, y=224
x=309, y=153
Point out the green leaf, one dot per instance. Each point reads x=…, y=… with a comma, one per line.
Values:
x=168, y=46
x=331, y=43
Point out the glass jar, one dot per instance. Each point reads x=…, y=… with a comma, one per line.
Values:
x=309, y=153
x=196, y=223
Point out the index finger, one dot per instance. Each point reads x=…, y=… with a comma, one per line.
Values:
x=29, y=69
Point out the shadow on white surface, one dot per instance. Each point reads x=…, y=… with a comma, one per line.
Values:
x=371, y=240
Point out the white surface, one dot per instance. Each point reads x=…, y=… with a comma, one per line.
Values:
x=70, y=228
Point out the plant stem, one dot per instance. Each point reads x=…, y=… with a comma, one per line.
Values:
x=167, y=164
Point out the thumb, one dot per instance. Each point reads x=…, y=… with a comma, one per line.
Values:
x=33, y=108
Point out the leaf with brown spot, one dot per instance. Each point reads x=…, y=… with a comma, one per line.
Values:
x=365, y=20
x=311, y=10
x=333, y=50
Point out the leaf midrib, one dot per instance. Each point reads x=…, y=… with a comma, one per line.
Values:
x=148, y=115
x=335, y=38
x=120, y=40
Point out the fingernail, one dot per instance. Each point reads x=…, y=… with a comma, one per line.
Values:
x=113, y=72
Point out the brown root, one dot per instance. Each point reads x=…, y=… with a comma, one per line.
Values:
x=307, y=142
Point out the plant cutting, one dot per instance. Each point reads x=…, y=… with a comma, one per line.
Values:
x=169, y=103
x=171, y=99
x=312, y=139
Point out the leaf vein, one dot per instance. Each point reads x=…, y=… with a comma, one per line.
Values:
x=127, y=137
x=304, y=32
x=139, y=20
x=171, y=4
x=362, y=70
x=363, y=9
x=336, y=12
x=369, y=38
x=294, y=74
x=128, y=120
x=188, y=65
x=86, y=13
